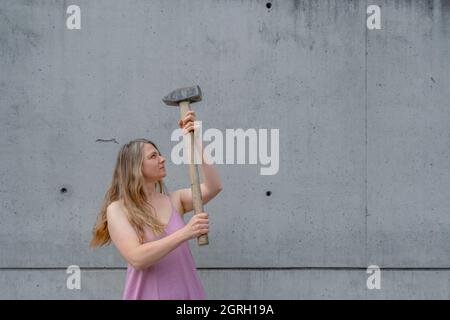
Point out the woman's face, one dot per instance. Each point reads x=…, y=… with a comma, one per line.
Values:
x=153, y=166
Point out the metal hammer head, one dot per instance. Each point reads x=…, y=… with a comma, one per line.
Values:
x=191, y=94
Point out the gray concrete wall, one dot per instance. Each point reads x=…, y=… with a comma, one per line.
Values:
x=363, y=115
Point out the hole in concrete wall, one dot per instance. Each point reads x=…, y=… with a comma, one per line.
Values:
x=268, y=5
x=268, y=193
x=65, y=192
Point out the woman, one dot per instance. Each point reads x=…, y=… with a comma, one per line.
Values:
x=146, y=225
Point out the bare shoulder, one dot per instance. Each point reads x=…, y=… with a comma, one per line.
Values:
x=176, y=200
x=116, y=209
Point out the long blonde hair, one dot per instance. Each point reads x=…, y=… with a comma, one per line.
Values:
x=128, y=185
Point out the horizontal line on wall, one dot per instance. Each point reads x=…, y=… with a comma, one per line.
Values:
x=320, y=268
x=238, y=268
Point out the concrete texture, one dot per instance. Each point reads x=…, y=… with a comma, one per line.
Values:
x=239, y=284
x=408, y=135
x=364, y=140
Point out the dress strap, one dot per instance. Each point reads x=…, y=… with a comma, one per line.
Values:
x=173, y=207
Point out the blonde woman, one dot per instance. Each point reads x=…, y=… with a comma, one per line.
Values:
x=146, y=224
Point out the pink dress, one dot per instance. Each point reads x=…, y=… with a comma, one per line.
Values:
x=174, y=277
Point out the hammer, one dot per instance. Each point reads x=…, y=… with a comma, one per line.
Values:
x=183, y=97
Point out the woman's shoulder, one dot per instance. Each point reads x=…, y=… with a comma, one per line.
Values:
x=116, y=207
x=116, y=203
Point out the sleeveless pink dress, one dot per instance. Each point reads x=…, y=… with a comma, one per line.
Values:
x=174, y=277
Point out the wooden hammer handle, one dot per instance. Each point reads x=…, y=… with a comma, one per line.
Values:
x=194, y=176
